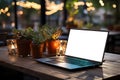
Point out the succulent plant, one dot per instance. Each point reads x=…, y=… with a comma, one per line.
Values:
x=23, y=34
x=51, y=32
x=38, y=37
x=44, y=33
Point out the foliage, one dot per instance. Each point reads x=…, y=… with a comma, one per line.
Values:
x=38, y=37
x=107, y=4
x=23, y=34
x=89, y=25
x=51, y=32
x=96, y=3
x=44, y=33
x=70, y=7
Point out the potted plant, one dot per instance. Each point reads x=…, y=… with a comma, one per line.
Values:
x=52, y=34
x=37, y=45
x=23, y=41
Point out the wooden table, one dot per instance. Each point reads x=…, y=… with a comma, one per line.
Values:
x=29, y=66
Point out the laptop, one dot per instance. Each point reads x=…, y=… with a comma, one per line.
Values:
x=85, y=49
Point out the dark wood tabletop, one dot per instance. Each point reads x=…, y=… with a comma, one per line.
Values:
x=28, y=65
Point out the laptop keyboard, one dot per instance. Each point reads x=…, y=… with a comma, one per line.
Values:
x=77, y=61
x=71, y=60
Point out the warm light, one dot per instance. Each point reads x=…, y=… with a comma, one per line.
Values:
x=80, y=3
x=56, y=44
x=1, y=10
x=76, y=7
x=36, y=6
x=62, y=47
x=101, y=2
x=28, y=4
x=13, y=24
x=52, y=7
x=12, y=58
x=20, y=12
x=12, y=47
x=89, y=4
x=8, y=14
x=6, y=9
x=114, y=6
x=77, y=4
x=70, y=19
x=13, y=3
x=90, y=9
x=17, y=3
x=3, y=25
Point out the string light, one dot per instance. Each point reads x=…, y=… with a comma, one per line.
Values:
x=101, y=2
x=28, y=4
x=89, y=4
x=20, y=12
x=90, y=9
x=51, y=6
x=114, y=5
x=4, y=10
x=8, y=14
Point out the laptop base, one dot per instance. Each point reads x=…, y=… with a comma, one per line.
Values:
x=64, y=63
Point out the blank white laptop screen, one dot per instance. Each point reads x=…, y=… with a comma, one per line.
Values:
x=86, y=44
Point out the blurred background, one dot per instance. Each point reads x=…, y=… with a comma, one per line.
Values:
x=80, y=14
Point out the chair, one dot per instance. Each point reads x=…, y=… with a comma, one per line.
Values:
x=113, y=43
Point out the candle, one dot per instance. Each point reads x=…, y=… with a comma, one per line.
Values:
x=11, y=47
x=62, y=47
x=61, y=51
x=13, y=50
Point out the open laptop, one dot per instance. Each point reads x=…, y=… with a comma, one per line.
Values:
x=85, y=49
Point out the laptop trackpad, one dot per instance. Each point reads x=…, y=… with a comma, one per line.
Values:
x=67, y=65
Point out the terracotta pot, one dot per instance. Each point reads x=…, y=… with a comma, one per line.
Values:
x=23, y=47
x=37, y=50
x=53, y=45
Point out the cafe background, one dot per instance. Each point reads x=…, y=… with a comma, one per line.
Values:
x=79, y=14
